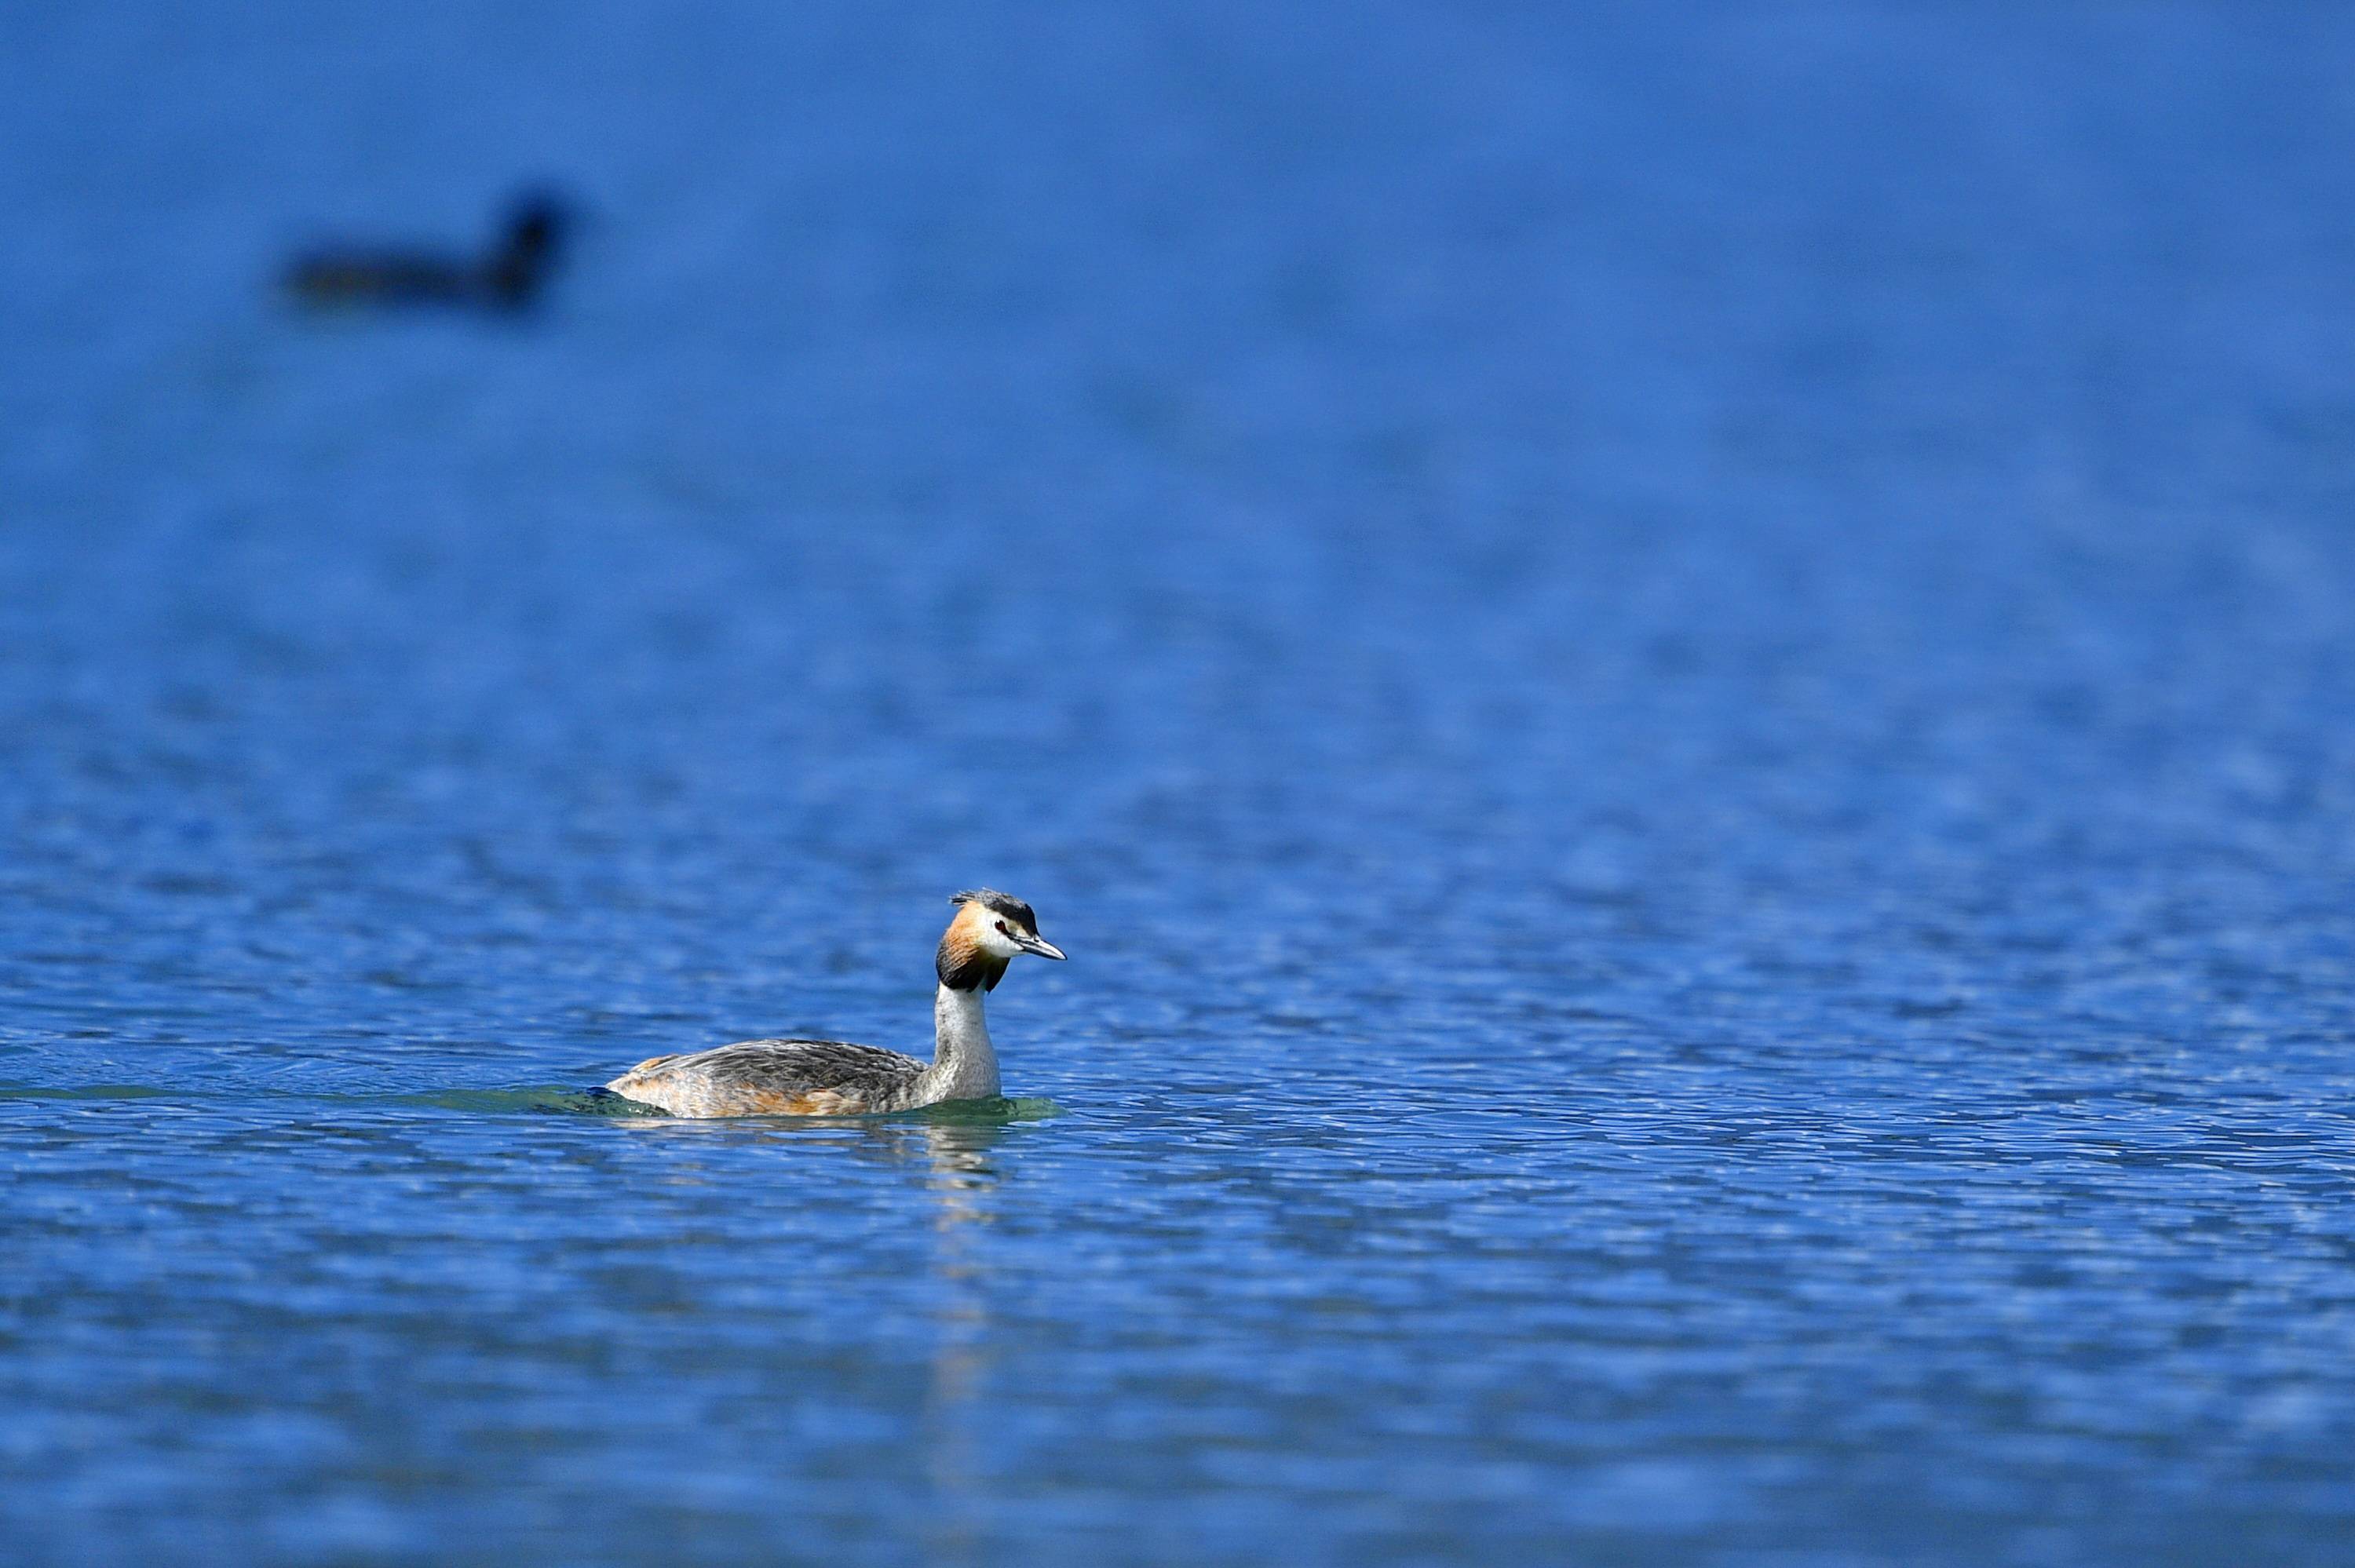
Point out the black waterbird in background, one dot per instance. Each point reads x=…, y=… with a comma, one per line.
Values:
x=509, y=277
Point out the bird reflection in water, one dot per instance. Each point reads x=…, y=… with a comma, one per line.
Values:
x=961, y=1182
x=952, y=1157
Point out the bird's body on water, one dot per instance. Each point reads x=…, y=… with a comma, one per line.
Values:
x=834, y=1078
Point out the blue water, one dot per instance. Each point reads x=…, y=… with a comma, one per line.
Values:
x=1683, y=680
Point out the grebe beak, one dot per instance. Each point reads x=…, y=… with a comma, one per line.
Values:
x=1045, y=949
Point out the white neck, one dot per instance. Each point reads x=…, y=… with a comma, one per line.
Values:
x=964, y=1064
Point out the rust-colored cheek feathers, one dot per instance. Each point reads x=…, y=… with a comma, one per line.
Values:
x=963, y=962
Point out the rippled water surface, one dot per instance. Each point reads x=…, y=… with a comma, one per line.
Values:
x=1683, y=680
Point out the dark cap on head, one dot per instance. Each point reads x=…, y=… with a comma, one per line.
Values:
x=997, y=903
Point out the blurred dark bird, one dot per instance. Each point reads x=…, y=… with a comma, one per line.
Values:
x=509, y=276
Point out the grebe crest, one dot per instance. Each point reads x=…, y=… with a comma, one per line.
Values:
x=834, y=1078
x=990, y=929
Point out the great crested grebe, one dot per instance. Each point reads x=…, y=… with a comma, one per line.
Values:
x=829, y=1077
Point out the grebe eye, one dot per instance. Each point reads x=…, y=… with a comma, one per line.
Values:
x=1002, y=930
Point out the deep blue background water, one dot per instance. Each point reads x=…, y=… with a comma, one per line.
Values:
x=1683, y=680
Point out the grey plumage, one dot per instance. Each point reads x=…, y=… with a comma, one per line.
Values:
x=754, y=1078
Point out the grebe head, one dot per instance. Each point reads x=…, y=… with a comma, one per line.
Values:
x=988, y=930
